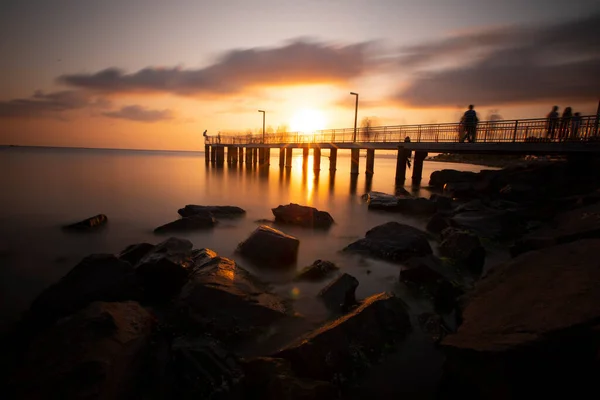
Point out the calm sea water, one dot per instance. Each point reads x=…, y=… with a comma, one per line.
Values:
x=43, y=189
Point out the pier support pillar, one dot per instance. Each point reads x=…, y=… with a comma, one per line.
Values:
x=304, y=157
x=369, y=169
x=268, y=156
x=248, y=156
x=213, y=154
x=401, y=164
x=333, y=159
x=241, y=154
x=262, y=156
x=288, y=157
x=282, y=157
x=234, y=154
x=255, y=155
x=220, y=155
x=354, y=157
x=207, y=153
x=317, y=158
x=418, y=166
x=229, y=158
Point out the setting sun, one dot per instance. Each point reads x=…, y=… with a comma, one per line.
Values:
x=307, y=120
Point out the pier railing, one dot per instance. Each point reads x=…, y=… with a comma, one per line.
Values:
x=505, y=131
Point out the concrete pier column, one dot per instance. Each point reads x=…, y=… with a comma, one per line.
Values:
x=369, y=169
x=317, y=158
x=213, y=154
x=282, y=157
x=418, y=166
x=220, y=155
x=268, y=156
x=207, y=153
x=333, y=159
x=234, y=154
x=261, y=156
x=401, y=164
x=248, y=156
x=354, y=157
x=304, y=157
x=288, y=157
x=255, y=155
x=228, y=154
x=241, y=154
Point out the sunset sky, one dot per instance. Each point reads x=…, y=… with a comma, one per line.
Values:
x=151, y=74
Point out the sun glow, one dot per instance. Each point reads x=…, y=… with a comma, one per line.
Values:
x=307, y=121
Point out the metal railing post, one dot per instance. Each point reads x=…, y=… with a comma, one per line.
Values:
x=515, y=132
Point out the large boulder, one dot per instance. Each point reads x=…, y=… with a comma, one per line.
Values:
x=224, y=299
x=295, y=214
x=392, y=241
x=530, y=328
x=318, y=270
x=409, y=205
x=341, y=350
x=437, y=223
x=216, y=211
x=135, y=252
x=194, y=222
x=440, y=178
x=463, y=247
x=88, y=224
x=164, y=270
x=270, y=247
x=339, y=295
x=93, y=354
x=489, y=224
x=98, y=277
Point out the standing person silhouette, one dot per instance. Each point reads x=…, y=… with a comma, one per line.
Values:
x=565, y=124
x=552, y=122
x=575, y=124
x=469, y=121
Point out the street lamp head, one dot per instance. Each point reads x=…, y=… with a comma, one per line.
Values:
x=261, y=111
x=355, y=94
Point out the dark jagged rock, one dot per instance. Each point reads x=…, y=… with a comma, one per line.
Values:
x=88, y=224
x=422, y=271
x=437, y=224
x=440, y=178
x=225, y=300
x=392, y=241
x=339, y=295
x=319, y=270
x=194, y=222
x=93, y=354
x=98, y=277
x=295, y=214
x=443, y=203
x=538, y=312
x=464, y=247
x=165, y=269
x=341, y=350
x=489, y=224
x=135, y=252
x=460, y=190
x=410, y=205
x=273, y=379
x=216, y=211
x=270, y=247
x=433, y=326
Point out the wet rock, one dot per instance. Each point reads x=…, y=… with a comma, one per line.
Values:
x=410, y=205
x=296, y=214
x=203, y=257
x=135, y=252
x=464, y=247
x=460, y=190
x=423, y=272
x=538, y=312
x=273, y=379
x=339, y=295
x=93, y=354
x=433, y=326
x=88, y=224
x=343, y=349
x=443, y=203
x=437, y=224
x=446, y=297
x=440, y=178
x=392, y=241
x=489, y=224
x=319, y=270
x=98, y=277
x=215, y=211
x=194, y=222
x=382, y=201
x=270, y=247
x=164, y=270
x=224, y=299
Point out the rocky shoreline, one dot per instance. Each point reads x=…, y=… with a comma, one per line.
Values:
x=169, y=320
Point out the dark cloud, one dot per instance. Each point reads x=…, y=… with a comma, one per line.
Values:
x=301, y=61
x=140, y=114
x=45, y=104
x=520, y=64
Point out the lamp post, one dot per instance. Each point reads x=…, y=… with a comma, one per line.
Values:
x=355, y=115
x=263, y=113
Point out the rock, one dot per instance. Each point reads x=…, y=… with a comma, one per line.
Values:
x=98, y=277
x=423, y=272
x=437, y=224
x=319, y=270
x=164, y=270
x=135, y=252
x=270, y=247
x=412, y=205
x=341, y=350
x=433, y=326
x=296, y=214
x=538, y=312
x=440, y=178
x=194, y=222
x=339, y=295
x=488, y=224
x=392, y=241
x=224, y=299
x=93, y=354
x=88, y=224
x=446, y=297
x=203, y=257
x=273, y=379
x=442, y=203
x=215, y=211
x=464, y=247
x=460, y=190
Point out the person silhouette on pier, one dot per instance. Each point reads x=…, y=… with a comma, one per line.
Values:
x=552, y=122
x=469, y=123
x=565, y=124
x=575, y=124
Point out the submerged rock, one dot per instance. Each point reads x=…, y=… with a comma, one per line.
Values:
x=194, y=222
x=339, y=295
x=88, y=224
x=270, y=246
x=341, y=350
x=319, y=270
x=392, y=241
x=440, y=178
x=135, y=252
x=295, y=214
x=464, y=247
x=95, y=353
x=216, y=211
x=411, y=205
